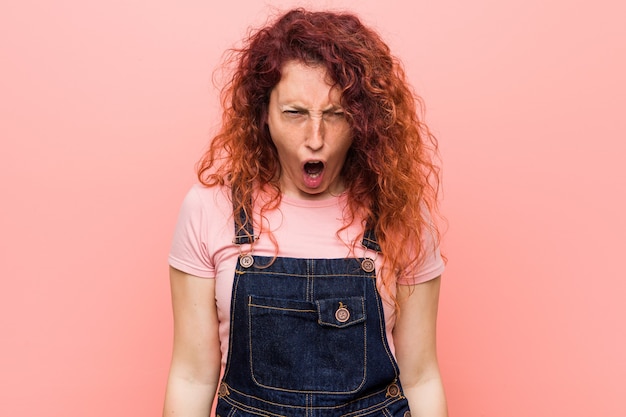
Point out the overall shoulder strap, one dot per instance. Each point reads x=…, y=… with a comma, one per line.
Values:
x=369, y=239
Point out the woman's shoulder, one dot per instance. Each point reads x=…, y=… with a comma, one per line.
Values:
x=200, y=195
x=204, y=204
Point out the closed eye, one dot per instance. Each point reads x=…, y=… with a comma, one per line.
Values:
x=294, y=111
x=338, y=114
x=327, y=115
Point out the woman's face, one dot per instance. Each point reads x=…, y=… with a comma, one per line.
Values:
x=310, y=131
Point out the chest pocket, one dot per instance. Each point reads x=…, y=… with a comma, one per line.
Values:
x=308, y=346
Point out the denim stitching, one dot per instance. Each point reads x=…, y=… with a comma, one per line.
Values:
x=373, y=408
x=232, y=317
x=383, y=334
x=250, y=350
x=355, y=413
x=250, y=304
x=249, y=409
x=309, y=281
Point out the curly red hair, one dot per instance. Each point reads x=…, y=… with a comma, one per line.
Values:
x=390, y=178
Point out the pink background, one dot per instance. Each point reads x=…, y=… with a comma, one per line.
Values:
x=105, y=107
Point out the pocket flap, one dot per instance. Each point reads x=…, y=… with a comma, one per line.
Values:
x=341, y=312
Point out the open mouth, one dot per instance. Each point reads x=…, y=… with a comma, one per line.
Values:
x=313, y=169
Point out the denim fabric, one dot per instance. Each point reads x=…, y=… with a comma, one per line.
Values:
x=308, y=339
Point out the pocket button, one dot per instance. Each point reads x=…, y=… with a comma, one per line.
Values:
x=342, y=314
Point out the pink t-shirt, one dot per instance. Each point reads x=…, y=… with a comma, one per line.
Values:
x=203, y=243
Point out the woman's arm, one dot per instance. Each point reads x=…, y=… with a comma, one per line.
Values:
x=414, y=337
x=195, y=368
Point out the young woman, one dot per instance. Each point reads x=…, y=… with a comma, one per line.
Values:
x=305, y=269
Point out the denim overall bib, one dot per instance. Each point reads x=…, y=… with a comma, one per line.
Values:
x=307, y=339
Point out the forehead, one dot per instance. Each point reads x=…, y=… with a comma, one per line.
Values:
x=307, y=83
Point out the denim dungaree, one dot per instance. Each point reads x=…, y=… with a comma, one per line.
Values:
x=307, y=339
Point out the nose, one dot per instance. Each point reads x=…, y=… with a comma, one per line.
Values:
x=315, y=134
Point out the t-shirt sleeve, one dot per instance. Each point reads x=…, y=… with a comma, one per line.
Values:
x=189, y=252
x=432, y=264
